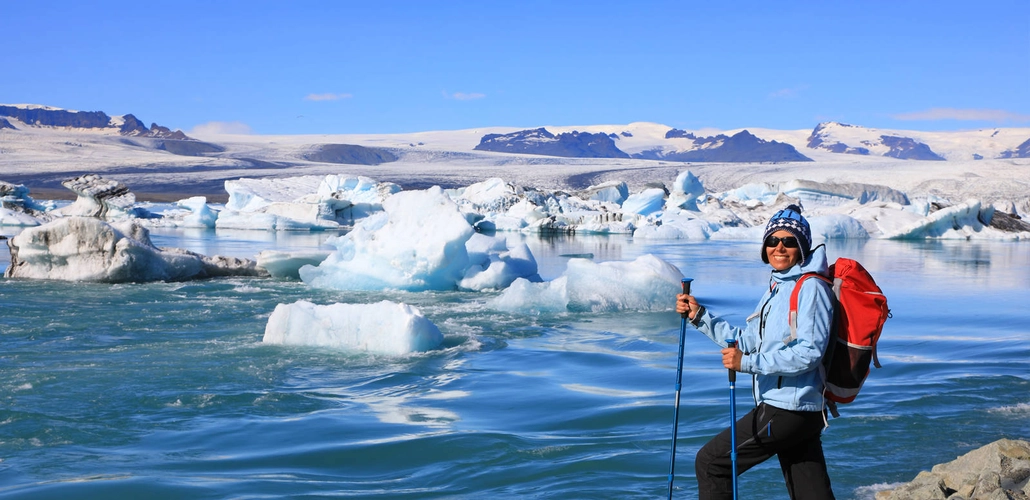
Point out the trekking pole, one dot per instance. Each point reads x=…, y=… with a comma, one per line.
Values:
x=679, y=378
x=733, y=421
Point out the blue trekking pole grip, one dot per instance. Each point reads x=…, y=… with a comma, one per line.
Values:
x=679, y=378
x=732, y=343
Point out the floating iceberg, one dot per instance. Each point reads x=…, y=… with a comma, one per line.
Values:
x=421, y=241
x=385, y=327
x=191, y=212
x=302, y=203
x=494, y=266
x=969, y=220
x=88, y=249
x=416, y=243
x=287, y=264
x=644, y=284
x=612, y=192
x=645, y=202
x=99, y=197
x=17, y=208
x=686, y=190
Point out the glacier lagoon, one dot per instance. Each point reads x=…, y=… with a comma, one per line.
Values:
x=165, y=390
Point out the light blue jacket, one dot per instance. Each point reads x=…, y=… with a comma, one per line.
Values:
x=786, y=369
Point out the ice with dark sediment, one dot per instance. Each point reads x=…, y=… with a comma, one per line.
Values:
x=89, y=249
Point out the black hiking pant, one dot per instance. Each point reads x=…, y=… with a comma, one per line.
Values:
x=793, y=436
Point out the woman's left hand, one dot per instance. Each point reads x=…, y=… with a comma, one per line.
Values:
x=731, y=358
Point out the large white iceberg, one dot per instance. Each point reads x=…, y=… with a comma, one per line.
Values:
x=88, y=249
x=416, y=243
x=421, y=241
x=385, y=327
x=644, y=284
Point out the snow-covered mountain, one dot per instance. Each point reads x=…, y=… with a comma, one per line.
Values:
x=912, y=145
x=47, y=116
x=682, y=146
x=41, y=147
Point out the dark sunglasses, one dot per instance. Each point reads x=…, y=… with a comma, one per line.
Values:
x=788, y=241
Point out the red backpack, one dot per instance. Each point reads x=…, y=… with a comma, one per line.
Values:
x=859, y=315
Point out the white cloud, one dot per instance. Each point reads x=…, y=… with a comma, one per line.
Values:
x=990, y=115
x=464, y=96
x=221, y=128
x=327, y=97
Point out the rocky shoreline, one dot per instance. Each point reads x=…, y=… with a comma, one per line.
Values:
x=997, y=471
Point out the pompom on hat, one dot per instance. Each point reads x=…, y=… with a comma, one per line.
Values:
x=790, y=219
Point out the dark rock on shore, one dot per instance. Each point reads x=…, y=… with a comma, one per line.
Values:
x=997, y=471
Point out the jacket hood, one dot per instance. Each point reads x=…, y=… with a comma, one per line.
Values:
x=816, y=263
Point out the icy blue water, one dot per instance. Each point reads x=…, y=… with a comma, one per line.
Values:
x=165, y=390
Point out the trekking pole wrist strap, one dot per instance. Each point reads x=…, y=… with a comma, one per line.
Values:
x=697, y=316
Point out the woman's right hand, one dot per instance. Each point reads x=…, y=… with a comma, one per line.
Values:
x=686, y=304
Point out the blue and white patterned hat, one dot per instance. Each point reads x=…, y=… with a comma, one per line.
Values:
x=790, y=219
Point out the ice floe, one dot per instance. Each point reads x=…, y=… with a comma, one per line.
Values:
x=89, y=249
x=384, y=327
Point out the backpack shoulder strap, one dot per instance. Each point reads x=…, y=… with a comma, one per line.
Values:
x=793, y=318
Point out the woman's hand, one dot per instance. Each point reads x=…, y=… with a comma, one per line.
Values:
x=686, y=304
x=731, y=358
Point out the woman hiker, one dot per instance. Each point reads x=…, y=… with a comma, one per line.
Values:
x=786, y=369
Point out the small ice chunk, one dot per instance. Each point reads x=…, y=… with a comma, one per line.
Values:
x=281, y=264
x=385, y=327
x=642, y=284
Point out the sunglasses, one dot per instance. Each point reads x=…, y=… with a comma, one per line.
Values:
x=788, y=241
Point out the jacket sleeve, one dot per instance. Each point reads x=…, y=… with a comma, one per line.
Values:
x=803, y=353
x=715, y=328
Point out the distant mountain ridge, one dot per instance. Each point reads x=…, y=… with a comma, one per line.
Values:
x=904, y=148
x=639, y=140
x=127, y=125
x=539, y=141
x=741, y=147
x=842, y=138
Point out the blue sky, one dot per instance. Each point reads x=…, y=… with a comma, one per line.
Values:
x=305, y=67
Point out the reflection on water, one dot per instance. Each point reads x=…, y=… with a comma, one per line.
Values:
x=995, y=264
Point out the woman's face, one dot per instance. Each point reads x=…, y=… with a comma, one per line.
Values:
x=780, y=257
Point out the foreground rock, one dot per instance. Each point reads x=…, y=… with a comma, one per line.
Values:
x=998, y=471
x=88, y=249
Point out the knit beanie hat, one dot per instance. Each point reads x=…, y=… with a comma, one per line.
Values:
x=790, y=219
